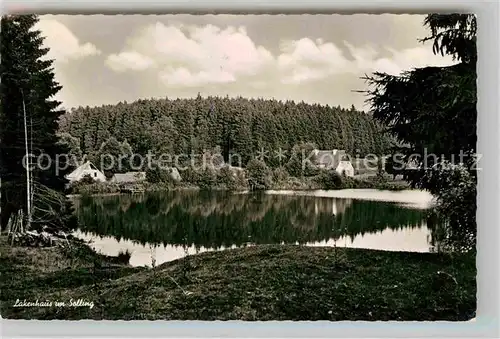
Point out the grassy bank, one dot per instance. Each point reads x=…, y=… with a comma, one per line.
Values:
x=253, y=283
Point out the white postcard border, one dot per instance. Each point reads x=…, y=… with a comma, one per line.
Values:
x=487, y=322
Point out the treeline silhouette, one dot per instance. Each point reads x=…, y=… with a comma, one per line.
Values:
x=231, y=125
x=221, y=219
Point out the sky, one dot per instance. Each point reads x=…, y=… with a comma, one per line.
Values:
x=105, y=59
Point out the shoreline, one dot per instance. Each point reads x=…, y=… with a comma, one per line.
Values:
x=303, y=191
x=140, y=254
x=420, y=199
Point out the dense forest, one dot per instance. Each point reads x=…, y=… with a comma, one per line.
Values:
x=232, y=125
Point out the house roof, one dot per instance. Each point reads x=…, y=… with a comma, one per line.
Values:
x=329, y=159
x=129, y=177
x=78, y=172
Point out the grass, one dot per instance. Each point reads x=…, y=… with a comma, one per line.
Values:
x=253, y=283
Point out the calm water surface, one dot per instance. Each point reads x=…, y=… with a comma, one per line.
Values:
x=168, y=226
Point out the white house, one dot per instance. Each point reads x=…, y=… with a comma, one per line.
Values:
x=174, y=174
x=86, y=169
x=345, y=167
x=334, y=159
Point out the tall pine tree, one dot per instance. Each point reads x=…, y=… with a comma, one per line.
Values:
x=28, y=85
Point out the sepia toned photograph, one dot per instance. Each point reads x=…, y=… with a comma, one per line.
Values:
x=238, y=167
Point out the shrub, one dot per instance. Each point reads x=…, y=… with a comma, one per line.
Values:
x=189, y=175
x=352, y=183
x=259, y=175
x=97, y=188
x=87, y=185
x=86, y=180
x=207, y=178
x=241, y=180
x=124, y=257
x=329, y=179
x=157, y=175
x=454, y=214
x=280, y=175
x=230, y=179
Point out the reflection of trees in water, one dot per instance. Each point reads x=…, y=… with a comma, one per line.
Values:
x=222, y=219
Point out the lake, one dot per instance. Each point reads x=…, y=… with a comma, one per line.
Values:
x=167, y=226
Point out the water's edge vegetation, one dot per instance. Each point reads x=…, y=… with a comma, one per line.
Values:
x=277, y=180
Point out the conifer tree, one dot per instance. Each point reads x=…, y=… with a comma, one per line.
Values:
x=28, y=85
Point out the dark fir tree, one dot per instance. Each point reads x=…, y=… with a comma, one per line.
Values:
x=28, y=85
x=418, y=103
x=432, y=110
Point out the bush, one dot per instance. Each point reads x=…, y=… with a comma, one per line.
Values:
x=241, y=180
x=207, y=178
x=157, y=175
x=96, y=188
x=280, y=175
x=124, y=257
x=231, y=179
x=259, y=175
x=454, y=214
x=329, y=180
x=189, y=175
x=87, y=185
x=86, y=180
x=297, y=184
x=352, y=183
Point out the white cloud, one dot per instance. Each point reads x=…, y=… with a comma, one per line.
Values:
x=184, y=77
x=406, y=59
x=198, y=54
x=63, y=44
x=307, y=60
x=421, y=56
x=305, y=51
x=129, y=61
